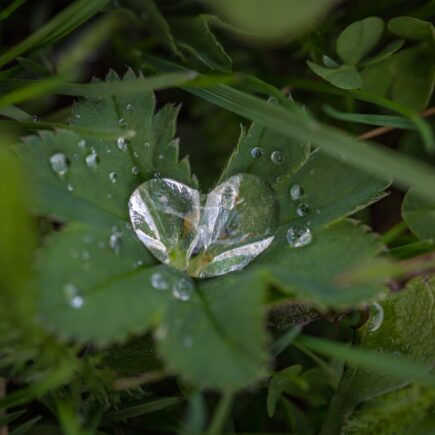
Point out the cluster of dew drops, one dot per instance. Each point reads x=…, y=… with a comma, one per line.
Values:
x=60, y=164
x=300, y=236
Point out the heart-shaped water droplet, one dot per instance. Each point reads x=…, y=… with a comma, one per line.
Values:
x=205, y=235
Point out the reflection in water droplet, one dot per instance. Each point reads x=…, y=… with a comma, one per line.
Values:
x=59, y=163
x=122, y=144
x=183, y=289
x=299, y=237
x=376, y=317
x=73, y=296
x=159, y=282
x=302, y=210
x=277, y=157
x=81, y=144
x=135, y=170
x=296, y=192
x=122, y=123
x=92, y=160
x=256, y=152
x=113, y=176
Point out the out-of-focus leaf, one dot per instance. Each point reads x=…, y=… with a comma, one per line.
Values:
x=194, y=36
x=419, y=215
x=274, y=19
x=397, y=77
x=403, y=324
x=25, y=427
x=358, y=39
x=386, y=52
x=344, y=77
x=396, y=413
x=218, y=340
x=412, y=28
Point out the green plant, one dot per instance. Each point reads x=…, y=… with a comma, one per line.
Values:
x=141, y=292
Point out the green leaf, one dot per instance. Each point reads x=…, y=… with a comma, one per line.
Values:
x=407, y=77
x=365, y=118
x=315, y=267
x=419, y=215
x=402, y=324
x=386, y=52
x=25, y=427
x=344, y=77
x=274, y=19
x=65, y=22
x=140, y=409
x=194, y=36
x=412, y=28
x=396, y=413
x=254, y=152
x=85, y=274
x=359, y=39
x=101, y=174
x=225, y=322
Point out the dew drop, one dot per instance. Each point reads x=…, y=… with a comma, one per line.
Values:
x=296, y=192
x=183, y=289
x=376, y=317
x=161, y=156
x=59, y=164
x=135, y=170
x=138, y=263
x=299, y=237
x=92, y=160
x=35, y=118
x=302, y=210
x=277, y=157
x=147, y=144
x=115, y=240
x=129, y=107
x=74, y=298
x=77, y=115
x=122, y=123
x=159, y=282
x=113, y=176
x=161, y=332
x=122, y=144
x=81, y=144
x=256, y=152
x=70, y=187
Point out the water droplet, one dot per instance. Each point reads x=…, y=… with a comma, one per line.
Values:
x=70, y=187
x=299, y=237
x=318, y=211
x=161, y=156
x=312, y=171
x=159, y=281
x=92, y=160
x=183, y=289
x=135, y=154
x=129, y=107
x=115, y=240
x=147, y=144
x=81, y=144
x=135, y=170
x=302, y=210
x=122, y=123
x=161, y=333
x=376, y=317
x=73, y=296
x=59, y=163
x=35, y=118
x=205, y=235
x=256, y=152
x=113, y=176
x=77, y=115
x=138, y=263
x=122, y=144
x=296, y=192
x=277, y=157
